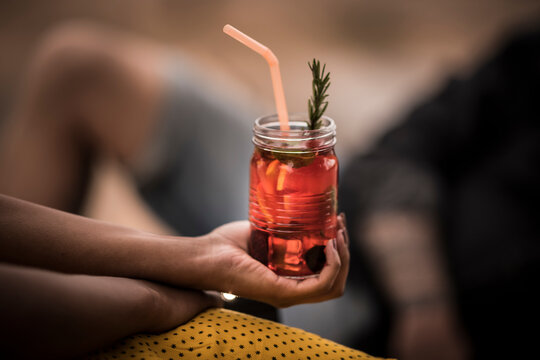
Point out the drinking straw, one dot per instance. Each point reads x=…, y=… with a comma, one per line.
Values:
x=273, y=62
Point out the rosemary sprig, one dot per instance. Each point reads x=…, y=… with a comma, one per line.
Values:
x=317, y=104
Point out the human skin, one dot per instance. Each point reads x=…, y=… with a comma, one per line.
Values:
x=38, y=236
x=88, y=93
x=93, y=90
x=54, y=315
x=111, y=300
x=91, y=93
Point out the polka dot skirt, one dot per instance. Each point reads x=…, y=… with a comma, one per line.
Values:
x=226, y=334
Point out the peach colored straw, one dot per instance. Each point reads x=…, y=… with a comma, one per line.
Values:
x=273, y=62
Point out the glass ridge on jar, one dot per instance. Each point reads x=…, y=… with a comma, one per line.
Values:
x=292, y=195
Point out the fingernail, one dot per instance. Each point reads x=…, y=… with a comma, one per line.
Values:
x=344, y=217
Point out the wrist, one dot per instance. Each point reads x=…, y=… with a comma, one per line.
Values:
x=185, y=261
x=207, y=264
x=152, y=306
x=142, y=303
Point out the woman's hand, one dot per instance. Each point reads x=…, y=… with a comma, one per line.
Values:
x=74, y=314
x=235, y=271
x=170, y=307
x=41, y=237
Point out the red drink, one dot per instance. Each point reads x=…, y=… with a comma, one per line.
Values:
x=293, y=192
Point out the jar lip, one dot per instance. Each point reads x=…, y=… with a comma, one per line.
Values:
x=267, y=135
x=268, y=125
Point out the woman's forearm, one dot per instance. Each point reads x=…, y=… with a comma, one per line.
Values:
x=38, y=236
x=41, y=237
x=52, y=315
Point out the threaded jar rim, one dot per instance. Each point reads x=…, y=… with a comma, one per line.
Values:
x=267, y=134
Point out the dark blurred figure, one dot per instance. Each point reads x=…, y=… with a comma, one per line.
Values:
x=445, y=210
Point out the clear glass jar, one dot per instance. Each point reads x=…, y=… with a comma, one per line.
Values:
x=292, y=195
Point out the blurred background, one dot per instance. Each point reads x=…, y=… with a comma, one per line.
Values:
x=383, y=56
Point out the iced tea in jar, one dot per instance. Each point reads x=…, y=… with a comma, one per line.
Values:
x=293, y=195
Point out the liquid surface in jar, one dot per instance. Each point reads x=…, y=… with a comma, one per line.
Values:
x=292, y=209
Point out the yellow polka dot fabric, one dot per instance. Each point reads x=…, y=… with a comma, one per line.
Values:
x=226, y=334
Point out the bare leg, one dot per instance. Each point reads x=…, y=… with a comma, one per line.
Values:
x=88, y=92
x=114, y=197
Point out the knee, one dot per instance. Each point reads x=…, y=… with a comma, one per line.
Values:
x=81, y=75
x=72, y=42
x=69, y=56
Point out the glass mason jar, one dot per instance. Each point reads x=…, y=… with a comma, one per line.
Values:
x=292, y=195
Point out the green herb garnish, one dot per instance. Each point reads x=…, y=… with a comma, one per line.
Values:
x=317, y=104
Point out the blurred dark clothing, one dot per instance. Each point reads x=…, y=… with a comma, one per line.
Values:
x=471, y=156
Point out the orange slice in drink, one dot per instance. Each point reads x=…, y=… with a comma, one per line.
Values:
x=268, y=175
x=283, y=171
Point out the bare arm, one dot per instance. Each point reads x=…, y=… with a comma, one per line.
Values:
x=61, y=316
x=38, y=236
x=42, y=237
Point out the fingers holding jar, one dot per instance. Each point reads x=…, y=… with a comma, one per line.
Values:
x=334, y=275
x=237, y=272
x=328, y=285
